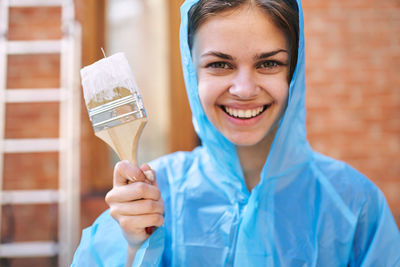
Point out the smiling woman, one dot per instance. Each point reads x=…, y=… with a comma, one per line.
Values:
x=254, y=193
x=243, y=83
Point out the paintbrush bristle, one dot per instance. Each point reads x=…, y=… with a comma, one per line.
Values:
x=106, y=80
x=100, y=99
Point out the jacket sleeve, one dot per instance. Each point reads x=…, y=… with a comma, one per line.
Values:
x=103, y=244
x=377, y=238
x=82, y=255
x=151, y=252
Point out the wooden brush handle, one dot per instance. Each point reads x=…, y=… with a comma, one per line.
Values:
x=123, y=139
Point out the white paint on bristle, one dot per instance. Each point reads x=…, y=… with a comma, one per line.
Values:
x=100, y=78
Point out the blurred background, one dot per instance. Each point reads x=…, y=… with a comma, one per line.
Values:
x=46, y=139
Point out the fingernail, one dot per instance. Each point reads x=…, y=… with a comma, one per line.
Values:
x=149, y=175
x=150, y=230
x=132, y=179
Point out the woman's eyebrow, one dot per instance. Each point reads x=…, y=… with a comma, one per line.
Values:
x=256, y=57
x=217, y=54
x=269, y=54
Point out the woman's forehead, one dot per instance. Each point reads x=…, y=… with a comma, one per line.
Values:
x=246, y=27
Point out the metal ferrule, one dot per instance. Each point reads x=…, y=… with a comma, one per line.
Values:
x=116, y=112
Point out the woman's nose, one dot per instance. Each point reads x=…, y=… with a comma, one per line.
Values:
x=244, y=85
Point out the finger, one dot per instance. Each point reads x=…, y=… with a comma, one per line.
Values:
x=138, y=207
x=133, y=223
x=125, y=171
x=149, y=173
x=134, y=191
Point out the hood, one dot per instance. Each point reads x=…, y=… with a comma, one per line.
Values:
x=289, y=149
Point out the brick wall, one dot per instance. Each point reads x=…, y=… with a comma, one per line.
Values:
x=353, y=87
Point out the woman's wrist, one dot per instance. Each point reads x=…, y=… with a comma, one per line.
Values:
x=131, y=255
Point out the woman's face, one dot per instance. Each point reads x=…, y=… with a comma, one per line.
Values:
x=241, y=59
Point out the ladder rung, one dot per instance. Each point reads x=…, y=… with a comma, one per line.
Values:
x=32, y=95
x=29, y=196
x=29, y=249
x=33, y=47
x=34, y=3
x=31, y=145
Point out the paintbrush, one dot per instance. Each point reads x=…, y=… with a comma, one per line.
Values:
x=115, y=107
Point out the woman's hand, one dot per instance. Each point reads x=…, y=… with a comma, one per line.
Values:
x=135, y=201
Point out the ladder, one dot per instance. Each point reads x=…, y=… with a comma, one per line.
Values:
x=66, y=196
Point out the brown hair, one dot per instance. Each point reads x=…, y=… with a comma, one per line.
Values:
x=284, y=13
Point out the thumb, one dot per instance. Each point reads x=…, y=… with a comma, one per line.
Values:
x=126, y=172
x=149, y=173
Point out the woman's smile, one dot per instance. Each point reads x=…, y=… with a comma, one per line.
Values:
x=243, y=118
x=244, y=114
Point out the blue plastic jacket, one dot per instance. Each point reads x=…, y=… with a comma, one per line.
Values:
x=307, y=210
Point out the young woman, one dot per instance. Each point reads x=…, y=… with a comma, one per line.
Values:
x=254, y=193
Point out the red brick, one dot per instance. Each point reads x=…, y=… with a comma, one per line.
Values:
x=29, y=223
x=29, y=23
x=29, y=262
x=30, y=171
x=33, y=71
x=32, y=120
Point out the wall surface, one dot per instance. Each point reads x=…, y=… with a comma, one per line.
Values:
x=353, y=87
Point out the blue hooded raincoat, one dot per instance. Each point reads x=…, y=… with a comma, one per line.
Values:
x=307, y=210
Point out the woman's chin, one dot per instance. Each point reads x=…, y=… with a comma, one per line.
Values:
x=245, y=140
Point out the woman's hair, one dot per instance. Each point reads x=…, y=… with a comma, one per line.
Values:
x=284, y=13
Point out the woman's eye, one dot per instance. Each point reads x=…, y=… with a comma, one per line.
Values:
x=219, y=65
x=269, y=64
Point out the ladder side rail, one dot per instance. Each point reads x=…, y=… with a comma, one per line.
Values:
x=75, y=107
x=63, y=168
x=69, y=154
x=67, y=16
x=3, y=80
x=63, y=164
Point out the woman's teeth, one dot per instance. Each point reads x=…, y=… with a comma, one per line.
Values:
x=243, y=113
